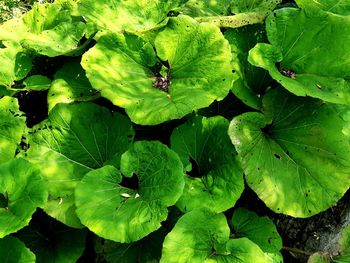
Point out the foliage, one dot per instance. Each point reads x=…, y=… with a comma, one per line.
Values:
x=130, y=129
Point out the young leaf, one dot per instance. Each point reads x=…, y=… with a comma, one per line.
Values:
x=12, y=126
x=340, y=7
x=289, y=152
x=198, y=72
x=51, y=241
x=13, y=250
x=260, y=230
x=251, y=81
x=131, y=16
x=70, y=85
x=219, y=179
x=22, y=190
x=203, y=236
x=128, y=213
x=302, y=58
x=73, y=140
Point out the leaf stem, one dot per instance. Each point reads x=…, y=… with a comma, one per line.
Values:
x=297, y=251
x=235, y=21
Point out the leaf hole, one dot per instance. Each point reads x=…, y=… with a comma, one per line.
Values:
x=277, y=156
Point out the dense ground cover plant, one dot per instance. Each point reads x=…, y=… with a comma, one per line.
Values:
x=130, y=129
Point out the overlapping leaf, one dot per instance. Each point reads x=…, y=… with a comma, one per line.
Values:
x=302, y=58
x=48, y=29
x=289, y=152
x=74, y=140
x=12, y=126
x=22, y=190
x=13, y=250
x=219, y=179
x=105, y=204
x=199, y=70
x=203, y=236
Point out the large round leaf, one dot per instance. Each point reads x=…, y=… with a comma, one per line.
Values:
x=260, y=230
x=295, y=156
x=51, y=241
x=219, y=179
x=132, y=16
x=340, y=7
x=123, y=214
x=12, y=126
x=203, y=236
x=48, y=29
x=302, y=58
x=13, y=250
x=22, y=190
x=198, y=59
x=73, y=140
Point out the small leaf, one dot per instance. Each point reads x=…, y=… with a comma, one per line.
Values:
x=70, y=85
x=217, y=180
x=22, y=190
x=260, y=230
x=104, y=203
x=13, y=250
x=37, y=82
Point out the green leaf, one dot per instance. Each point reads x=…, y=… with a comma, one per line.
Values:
x=196, y=8
x=70, y=85
x=302, y=58
x=12, y=126
x=104, y=203
x=37, y=82
x=288, y=153
x=48, y=29
x=199, y=70
x=74, y=140
x=260, y=230
x=251, y=81
x=340, y=7
x=218, y=181
x=13, y=250
x=51, y=241
x=203, y=236
x=132, y=16
x=17, y=62
x=22, y=190
x=146, y=250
